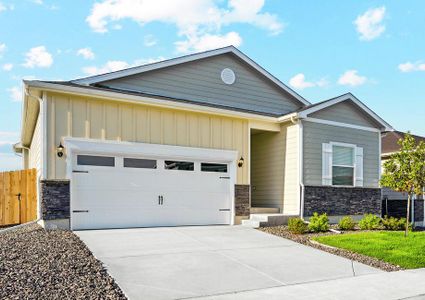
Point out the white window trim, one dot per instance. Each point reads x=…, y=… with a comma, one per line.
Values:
x=346, y=166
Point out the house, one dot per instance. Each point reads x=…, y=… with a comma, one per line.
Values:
x=395, y=203
x=200, y=139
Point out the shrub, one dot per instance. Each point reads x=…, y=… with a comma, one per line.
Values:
x=370, y=222
x=297, y=226
x=346, y=223
x=392, y=223
x=319, y=223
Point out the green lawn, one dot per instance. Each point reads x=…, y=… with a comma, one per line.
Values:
x=389, y=246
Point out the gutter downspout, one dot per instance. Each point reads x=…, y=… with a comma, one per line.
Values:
x=43, y=175
x=301, y=163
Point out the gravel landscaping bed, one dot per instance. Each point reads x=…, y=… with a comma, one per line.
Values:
x=305, y=239
x=51, y=264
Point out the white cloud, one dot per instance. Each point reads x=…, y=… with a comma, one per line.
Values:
x=196, y=20
x=411, y=67
x=351, y=78
x=116, y=65
x=369, y=25
x=208, y=41
x=149, y=40
x=15, y=93
x=2, y=49
x=8, y=137
x=110, y=66
x=10, y=162
x=7, y=67
x=87, y=53
x=298, y=81
x=38, y=57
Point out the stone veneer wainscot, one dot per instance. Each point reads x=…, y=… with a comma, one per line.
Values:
x=340, y=201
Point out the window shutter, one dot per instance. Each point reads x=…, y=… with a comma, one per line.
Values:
x=359, y=166
x=326, y=164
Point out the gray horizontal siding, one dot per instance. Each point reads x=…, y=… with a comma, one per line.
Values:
x=315, y=134
x=345, y=112
x=200, y=81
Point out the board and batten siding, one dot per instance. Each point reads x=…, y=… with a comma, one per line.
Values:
x=267, y=169
x=200, y=81
x=291, y=189
x=314, y=134
x=344, y=112
x=275, y=169
x=34, y=153
x=72, y=116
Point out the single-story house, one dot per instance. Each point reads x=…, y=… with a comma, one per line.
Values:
x=395, y=203
x=201, y=139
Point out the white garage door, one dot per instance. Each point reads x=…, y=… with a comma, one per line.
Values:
x=121, y=191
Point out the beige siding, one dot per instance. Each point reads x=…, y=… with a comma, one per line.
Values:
x=34, y=153
x=267, y=169
x=315, y=134
x=101, y=119
x=200, y=81
x=345, y=112
x=291, y=196
x=275, y=169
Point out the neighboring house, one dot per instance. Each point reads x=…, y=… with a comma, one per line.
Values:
x=199, y=139
x=395, y=203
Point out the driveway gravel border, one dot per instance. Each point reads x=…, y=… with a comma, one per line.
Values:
x=51, y=264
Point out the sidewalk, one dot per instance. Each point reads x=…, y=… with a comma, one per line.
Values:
x=408, y=284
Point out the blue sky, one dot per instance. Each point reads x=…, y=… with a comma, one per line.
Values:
x=374, y=49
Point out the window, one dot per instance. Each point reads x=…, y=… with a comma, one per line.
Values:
x=179, y=165
x=342, y=165
x=139, y=163
x=211, y=167
x=91, y=160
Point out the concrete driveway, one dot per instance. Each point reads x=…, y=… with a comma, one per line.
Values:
x=190, y=262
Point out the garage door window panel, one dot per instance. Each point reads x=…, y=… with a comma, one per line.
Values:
x=140, y=163
x=214, y=167
x=92, y=160
x=179, y=165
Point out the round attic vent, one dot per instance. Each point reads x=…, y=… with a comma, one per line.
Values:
x=228, y=76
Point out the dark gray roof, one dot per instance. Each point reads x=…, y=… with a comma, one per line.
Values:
x=126, y=92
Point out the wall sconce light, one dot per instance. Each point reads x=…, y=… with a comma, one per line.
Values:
x=60, y=149
x=240, y=162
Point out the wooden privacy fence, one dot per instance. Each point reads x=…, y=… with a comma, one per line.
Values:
x=18, y=197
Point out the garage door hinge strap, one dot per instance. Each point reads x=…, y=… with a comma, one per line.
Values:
x=79, y=171
x=80, y=211
x=224, y=177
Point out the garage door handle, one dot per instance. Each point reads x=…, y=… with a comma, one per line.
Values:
x=80, y=211
x=79, y=171
x=160, y=200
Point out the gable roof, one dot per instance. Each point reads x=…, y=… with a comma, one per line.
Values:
x=96, y=79
x=390, y=141
x=305, y=111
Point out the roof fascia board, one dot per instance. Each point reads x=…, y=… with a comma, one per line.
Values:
x=45, y=86
x=189, y=58
x=385, y=125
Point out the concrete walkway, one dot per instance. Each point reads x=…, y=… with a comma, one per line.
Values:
x=225, y=261
x=386, y=286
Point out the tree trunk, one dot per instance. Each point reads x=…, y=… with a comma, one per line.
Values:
x=407, y=214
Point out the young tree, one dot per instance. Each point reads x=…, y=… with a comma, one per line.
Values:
x=405, y=171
